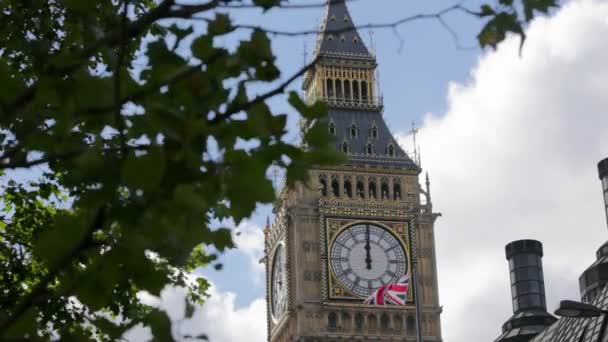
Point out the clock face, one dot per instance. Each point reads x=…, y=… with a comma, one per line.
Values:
x=278, y=296
x=365, y=257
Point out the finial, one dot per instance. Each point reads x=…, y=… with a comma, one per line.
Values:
x=428, y=187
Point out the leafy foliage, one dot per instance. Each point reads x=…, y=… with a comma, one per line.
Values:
x=509, y=16
x=139, y=149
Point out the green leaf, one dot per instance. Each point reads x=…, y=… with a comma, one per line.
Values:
x=220, y=25
x=145, y=171
x=25, y=327
x=160, y=324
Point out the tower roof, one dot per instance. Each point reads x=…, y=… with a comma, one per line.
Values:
x=338, y=34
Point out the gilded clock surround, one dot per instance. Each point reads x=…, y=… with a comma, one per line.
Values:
x=334, y=226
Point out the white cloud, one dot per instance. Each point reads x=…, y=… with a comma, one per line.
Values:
x=249, y=240
x=515, y=157
x=218, y=317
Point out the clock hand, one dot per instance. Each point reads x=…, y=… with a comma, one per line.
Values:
x=368, y=256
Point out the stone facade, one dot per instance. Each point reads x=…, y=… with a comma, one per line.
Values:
x=378, y=186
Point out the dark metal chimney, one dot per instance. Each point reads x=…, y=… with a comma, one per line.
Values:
x=530, y=315
x=593, y=280
x=602, y=168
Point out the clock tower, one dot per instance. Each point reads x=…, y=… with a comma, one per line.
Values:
x=355, y=227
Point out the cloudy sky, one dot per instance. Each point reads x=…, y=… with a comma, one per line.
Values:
x=511, y=144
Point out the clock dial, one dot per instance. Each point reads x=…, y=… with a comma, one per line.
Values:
x=278, y=283
x=365, y=257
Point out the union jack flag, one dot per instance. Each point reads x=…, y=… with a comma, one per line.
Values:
x=393, y=294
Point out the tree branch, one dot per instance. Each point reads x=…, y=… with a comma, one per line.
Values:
x=30, y=299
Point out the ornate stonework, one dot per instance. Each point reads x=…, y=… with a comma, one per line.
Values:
x=377, y=187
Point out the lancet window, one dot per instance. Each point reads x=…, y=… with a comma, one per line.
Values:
x=372, y=189
x=323, y=183
x=396, y=189
x=335, y=187
x=348, y=188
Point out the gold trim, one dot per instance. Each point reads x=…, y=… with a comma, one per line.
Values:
x=399, y=229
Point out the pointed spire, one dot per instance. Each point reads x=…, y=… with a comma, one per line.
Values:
x=338, y=34
x=428, y=188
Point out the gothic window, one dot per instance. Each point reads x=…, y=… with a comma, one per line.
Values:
x=333, y=18
x=384, y=189
x=345, y=147
x=360, y=189
x=342, y=38
x=346, y=321
x=396, y=190
x=374, y=132
x=330, y=87
x=330, y=37
x=359, y=321
x=410, y=325
x=363, y=90
x=370, y=148
x=332, y=128
x=372, y=189
x=338, y=89
x=323, y=183
x=335, y=187
x=372, y=322
x=391, y=150
x=332, y=321
x=345, y=19
x=384, y=322
x=398, y=322
x=353, y=131
x=356, y=90
x=355, y=40
x=348, y=188
x=347, y=89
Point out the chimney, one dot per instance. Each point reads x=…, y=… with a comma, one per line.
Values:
x=602, y=168
x=596, y=276
x=530, y=316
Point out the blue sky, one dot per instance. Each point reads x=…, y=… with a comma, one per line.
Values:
x=416, y=62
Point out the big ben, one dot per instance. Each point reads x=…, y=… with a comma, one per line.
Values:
x=355, y=227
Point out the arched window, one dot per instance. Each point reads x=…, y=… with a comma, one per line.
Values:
x=372, y=189
x=398, y=322
x=372, y=322
x=346, y=321
x=396, y=190
x=410, y=325
x=323, y=183
x=332, y=128
x=335, y=187
x=360, y=189
x=384, y=322
x=359, y=321
x=384, y=189
x=347, y=89
x=345, y=147
x=332, y=321
x=354, y=131
x=348, y=188
x=330, y=87
x=370, y=148
x=338, y=89
x=374, y=132
x=356, y=90
x=391, y=150
x=363, y=90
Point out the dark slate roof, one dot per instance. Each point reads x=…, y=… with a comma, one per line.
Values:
x=339, y=24
x=343, y=119
x=568, y=329
x=522, y=326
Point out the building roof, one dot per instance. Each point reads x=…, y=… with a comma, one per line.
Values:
x=343, y=120
x=339, y=35
x=568, y=329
